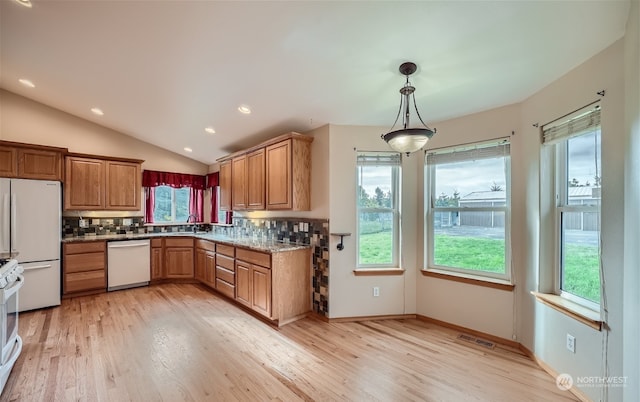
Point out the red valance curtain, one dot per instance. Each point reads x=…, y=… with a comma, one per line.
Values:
x=197, y=184
x=152, y=178
x=213, y=179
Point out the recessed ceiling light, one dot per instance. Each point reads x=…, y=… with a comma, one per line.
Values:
x=97, y=111
x=210, y=130
x=26, y=83
x=26, y=3
x=187, y=149
x=244, y=109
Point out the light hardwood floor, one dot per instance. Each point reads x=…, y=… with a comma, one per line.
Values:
x=179, y=342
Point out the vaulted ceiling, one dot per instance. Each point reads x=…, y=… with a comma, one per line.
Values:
x=162, y=71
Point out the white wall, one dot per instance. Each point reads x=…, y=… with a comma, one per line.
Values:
x=484, y=309
x=543, y=330
x=631, y=317
x=350, y=295
x=23, y=120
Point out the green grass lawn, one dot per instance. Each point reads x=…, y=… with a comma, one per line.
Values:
x=581, y=262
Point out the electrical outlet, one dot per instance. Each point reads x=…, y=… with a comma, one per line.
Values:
x=82, y=223
x=376, y=291
x=571, y=343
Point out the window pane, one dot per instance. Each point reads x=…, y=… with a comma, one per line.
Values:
x=584, y=169
x=162, y=207
x=375, y=187
x=375, y=238
x=182, y=204
x=471, y=183
x=580, y=256
x=472, y=240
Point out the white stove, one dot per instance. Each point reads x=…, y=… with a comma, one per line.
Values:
x=11, y=280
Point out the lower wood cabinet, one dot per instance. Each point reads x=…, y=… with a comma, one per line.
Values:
x=225, y=273
x=205, y=266
x=84, y=267
x=178, y=258
x=277, y=285
x=157, y=266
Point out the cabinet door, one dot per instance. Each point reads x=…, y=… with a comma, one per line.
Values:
x=210, y=268
x=239, y=182
x=200, y=270
x=84, y=184
x=225, y=186
x=278, y=162
x=255, y=180
x=39, y=164
x=179, y=262
x=261, y=290
x=8, y=162
x=243, y=283
x=123, y=186
x=157, y=271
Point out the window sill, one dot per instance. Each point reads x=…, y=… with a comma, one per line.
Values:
x=573, y=310
x=174, y=224
x=469, y=279
x=378, y=271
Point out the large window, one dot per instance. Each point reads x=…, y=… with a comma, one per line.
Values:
x=577, y=207
x=171, y=204
x=378, y=209
x=468, y=200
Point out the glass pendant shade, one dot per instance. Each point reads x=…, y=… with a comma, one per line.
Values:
x=408, y=140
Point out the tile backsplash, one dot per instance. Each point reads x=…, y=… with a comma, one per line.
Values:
x=314, y=232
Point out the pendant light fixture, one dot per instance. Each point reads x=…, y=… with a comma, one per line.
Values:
x=406, y=139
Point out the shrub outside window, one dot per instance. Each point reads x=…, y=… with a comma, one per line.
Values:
x=171, y=204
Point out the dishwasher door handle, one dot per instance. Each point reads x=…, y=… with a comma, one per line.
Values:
x=128, y=245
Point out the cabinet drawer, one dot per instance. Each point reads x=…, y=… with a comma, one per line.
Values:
x=85, y=247
x=226, y=275
x=225, y=288
x=84, y=262
x=225, y=262
x=205, y=245
x=254, y=257
x=179, y=242
x=226, y=250
x=156, y=242
x=81, y=281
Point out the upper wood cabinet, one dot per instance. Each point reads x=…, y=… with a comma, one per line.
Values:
x=239, y=182
x=274, y=175
x=28, y=161
x=289, y=175
x=256, y=180
x=224, y=203
x=102, y=184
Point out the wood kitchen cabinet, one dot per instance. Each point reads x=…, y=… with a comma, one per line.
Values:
x=288, y=174
x=27, y=161
x=157, y=266
x=224, y=203
x=84, y=268
x=239, y=183
x=205, y=266
x=277, y=285
x=178, y=258
x=102, y=184
x=256, y=180
x=225, y=270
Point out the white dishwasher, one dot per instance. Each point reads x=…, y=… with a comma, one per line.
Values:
x=128, y=264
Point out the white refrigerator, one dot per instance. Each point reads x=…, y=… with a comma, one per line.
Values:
x=30, y=219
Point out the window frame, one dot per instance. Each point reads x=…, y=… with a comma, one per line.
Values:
x=396, y=174
x=173, y=220
x=431, y=209
x=561, y=206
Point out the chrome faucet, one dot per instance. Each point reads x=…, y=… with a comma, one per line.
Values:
x=195, y=226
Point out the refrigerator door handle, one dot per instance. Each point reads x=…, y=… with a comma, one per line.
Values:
x=4, y=231
x=14, y=224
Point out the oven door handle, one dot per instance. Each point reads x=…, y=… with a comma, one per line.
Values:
x=11, y=290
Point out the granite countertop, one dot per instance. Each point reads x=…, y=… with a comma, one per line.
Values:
x=269, y=246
